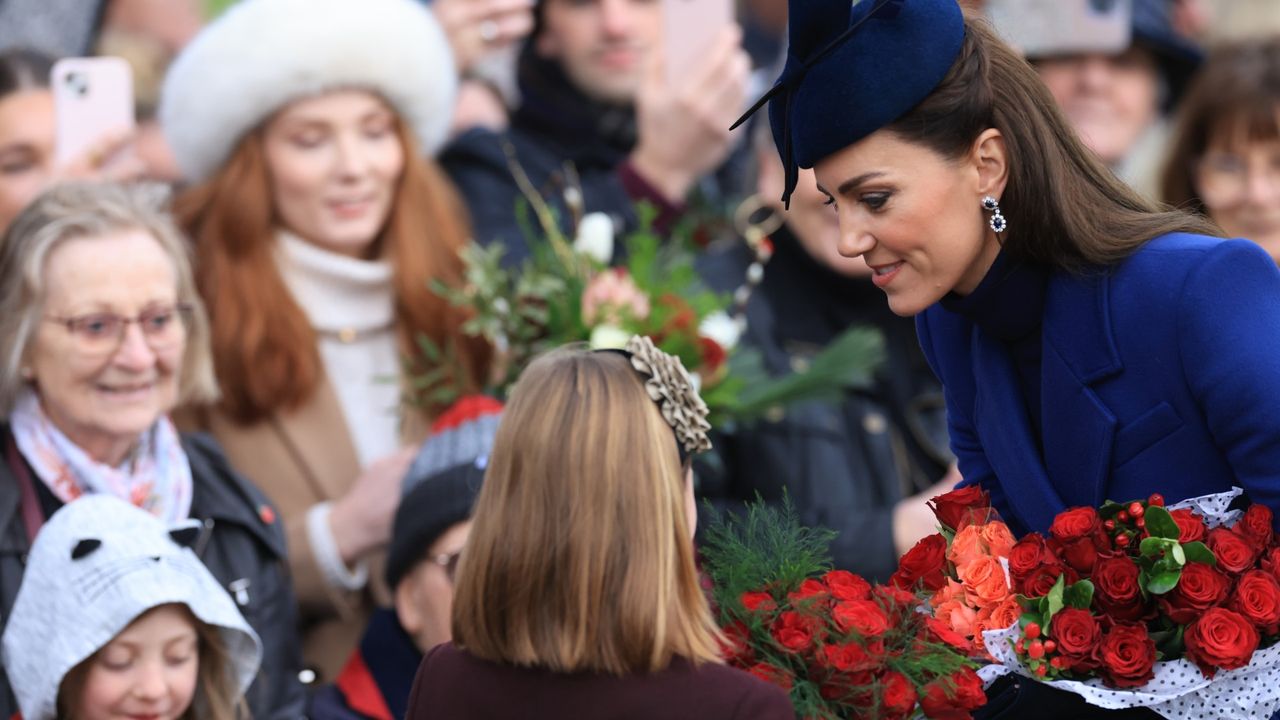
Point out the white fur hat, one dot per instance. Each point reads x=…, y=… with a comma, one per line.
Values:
x=262, y=54
x=95, y=567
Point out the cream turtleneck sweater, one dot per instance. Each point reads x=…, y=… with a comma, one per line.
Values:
x=351, y=305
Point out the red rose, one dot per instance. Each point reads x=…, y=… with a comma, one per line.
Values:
x=897, y=695
x=1080, y=522
x=923, y=564
x=1190, y=527
x=1078, y=636
x=1200, y=588
x=1041, y=580
x=1028, y=554
x=1257, y=597
x=758, y=602
x=849, y=657
x=895, y=601
x=1271, y=562
x=811, y=594
x=1220, y=639
x=736, y=646
x=1235, y=553
x=861, y=616
x=1255, y=525
x=772, y=674
x=845, y=585
x=953, y=697
x=793, y=632
x=938, y=631
x=1118, y=594
x=1128, y=655
x=963, y=506
x=711, y=355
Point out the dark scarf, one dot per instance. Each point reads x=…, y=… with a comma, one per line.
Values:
x=589, y=133
x=379, y=676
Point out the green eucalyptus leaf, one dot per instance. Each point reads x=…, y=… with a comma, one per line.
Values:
x=1152, y=546
x=1079, y=595
x=1179, y=555
x=1160, y=523
x=1199, y=552
x=1161, y=583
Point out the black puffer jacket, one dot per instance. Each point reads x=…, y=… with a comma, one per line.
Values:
x=243, y=547
x=845, y=464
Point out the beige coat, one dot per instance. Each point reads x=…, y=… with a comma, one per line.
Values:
x=299, y=459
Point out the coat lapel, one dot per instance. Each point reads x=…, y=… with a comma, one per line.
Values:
x=1000, y=415
x=320, y=443
x=1079, y=352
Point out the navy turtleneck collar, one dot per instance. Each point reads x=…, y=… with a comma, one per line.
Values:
x=1008, y=303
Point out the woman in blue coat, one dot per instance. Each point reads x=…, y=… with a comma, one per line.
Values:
x=1090, y=345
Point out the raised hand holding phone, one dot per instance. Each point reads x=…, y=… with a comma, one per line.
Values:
x=683, y=117
x=93, y=107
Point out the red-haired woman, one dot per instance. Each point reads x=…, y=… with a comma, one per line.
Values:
x=318, y=224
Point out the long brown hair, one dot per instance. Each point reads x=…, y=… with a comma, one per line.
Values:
x=580, y=557
x=217, y=697
x=1065, y=208
x=264, y=349
x=1234, y=99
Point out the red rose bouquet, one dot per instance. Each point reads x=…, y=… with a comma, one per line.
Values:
x=840, y=646
x=1135, y=604
x=961, y=569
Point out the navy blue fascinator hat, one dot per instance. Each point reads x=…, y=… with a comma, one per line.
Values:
x=853, y=68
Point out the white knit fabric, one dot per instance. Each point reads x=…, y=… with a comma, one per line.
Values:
x=340, y=294
x=262, y=54
x=67, y=608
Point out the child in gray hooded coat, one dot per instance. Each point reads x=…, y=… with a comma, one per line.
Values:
x=116, y=617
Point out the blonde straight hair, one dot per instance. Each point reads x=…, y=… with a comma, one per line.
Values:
x=580, y=557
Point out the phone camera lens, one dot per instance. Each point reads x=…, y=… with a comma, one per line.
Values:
x=78, y=83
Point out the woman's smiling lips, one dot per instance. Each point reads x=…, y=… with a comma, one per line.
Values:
x=882, y=275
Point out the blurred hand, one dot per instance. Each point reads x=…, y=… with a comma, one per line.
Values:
x=112, y=158
x=476, y=27
x=684, y=129
x=361, y=519
x=912, y=518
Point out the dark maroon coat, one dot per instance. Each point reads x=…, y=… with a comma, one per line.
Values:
x=453, y=685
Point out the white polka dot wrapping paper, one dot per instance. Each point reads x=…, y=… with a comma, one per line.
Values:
x=1178, y=691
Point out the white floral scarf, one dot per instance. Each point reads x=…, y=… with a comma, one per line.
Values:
x=156, y=478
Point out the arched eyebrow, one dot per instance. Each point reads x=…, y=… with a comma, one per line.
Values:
x=852, y=183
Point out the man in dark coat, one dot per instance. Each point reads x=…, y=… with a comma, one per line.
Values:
x=596, y=106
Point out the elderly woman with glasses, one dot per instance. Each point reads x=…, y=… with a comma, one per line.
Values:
x=103, y=334
x=1225, y=156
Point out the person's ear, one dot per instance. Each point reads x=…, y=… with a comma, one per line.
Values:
x=408, y=607
x=990, y=160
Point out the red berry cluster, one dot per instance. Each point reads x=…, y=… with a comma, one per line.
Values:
x=1129, y=525
x=1039, y=654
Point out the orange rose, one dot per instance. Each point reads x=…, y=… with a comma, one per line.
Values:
x=984, y=582
x=958, y=616
x=998, y=539
x=966, y=547
x=1004, y=614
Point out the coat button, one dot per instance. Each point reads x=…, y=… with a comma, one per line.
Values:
x=874, y=423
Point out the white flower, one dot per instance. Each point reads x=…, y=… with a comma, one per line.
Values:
x=725, y=330
x=595, y=237
x=608, y=337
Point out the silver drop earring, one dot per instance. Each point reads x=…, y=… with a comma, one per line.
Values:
x=998, y=223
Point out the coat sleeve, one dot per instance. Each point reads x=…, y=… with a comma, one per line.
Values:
x=970, y=456
x=1229, y=346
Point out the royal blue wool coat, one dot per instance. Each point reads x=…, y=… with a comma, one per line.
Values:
x=1161, y=374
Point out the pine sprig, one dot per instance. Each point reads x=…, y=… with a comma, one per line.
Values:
x=769, y=547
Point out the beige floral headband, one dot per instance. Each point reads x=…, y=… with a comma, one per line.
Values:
x=670, y=386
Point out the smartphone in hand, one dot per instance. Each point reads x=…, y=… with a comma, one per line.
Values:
x=690, y=29
x=93, y=101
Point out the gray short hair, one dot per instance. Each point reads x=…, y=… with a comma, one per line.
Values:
x=85, y=210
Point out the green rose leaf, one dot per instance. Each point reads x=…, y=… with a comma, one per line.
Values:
x=1162, y=582
x=1199, y=552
